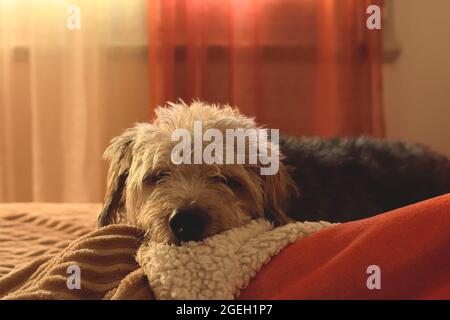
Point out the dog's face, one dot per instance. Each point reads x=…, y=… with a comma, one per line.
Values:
x=182, y=202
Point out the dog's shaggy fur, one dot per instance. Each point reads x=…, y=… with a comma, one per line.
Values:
x=347, y=179
x=145, y=188
x=338, y=179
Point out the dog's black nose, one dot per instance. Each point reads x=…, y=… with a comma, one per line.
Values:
x=188, y=224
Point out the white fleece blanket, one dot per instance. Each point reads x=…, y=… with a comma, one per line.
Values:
x=220, y=266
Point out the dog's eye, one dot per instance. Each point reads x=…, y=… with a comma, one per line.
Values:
x=154, y=178
x=231, y=182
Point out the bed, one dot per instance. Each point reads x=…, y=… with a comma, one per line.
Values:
x=404, y=254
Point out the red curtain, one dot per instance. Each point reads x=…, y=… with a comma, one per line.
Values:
x=307, y=67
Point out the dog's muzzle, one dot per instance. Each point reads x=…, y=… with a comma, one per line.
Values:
x=188, y=224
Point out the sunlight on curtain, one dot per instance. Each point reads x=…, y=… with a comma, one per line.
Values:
x=65, y=93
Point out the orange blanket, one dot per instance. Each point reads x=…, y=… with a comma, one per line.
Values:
x=411, y=246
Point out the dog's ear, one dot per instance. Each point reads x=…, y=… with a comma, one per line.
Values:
x=278, y=190
x=119, y=155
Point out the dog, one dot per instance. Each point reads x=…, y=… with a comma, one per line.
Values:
x=317, y=179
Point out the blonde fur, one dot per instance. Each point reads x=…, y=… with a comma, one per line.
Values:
x=144, y=187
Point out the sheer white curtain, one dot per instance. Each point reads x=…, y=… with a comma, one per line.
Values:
x=65, y=92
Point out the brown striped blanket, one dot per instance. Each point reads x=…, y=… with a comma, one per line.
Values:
x=40, y=242
x=54, y=251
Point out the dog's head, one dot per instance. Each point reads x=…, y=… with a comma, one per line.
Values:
x=182, y=202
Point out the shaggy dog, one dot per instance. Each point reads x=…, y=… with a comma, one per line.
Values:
x=333, y=180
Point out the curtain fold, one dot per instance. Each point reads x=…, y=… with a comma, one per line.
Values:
x=306, y=67
x=64, y=93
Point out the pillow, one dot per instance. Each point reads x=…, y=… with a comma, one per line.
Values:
x=411, y=247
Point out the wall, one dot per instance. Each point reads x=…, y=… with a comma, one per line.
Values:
x=417, y=84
